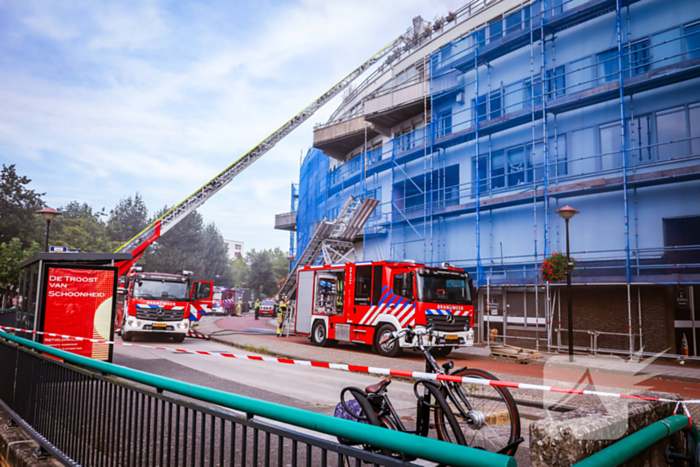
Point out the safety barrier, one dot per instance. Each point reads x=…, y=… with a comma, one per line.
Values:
x=96, y=415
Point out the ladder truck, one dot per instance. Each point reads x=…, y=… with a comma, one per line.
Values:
x=137, y=245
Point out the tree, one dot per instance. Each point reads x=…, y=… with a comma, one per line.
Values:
x=240, y=272
x=179, y=248
x=82, y=228
x=18, y=206
x=260, y=276
x=127, y=219
x=11, y=254
x=216, y=259
x=280, y=265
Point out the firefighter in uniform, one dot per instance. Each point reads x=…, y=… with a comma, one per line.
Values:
x=280, y=315
x=257, y=308
x=239, y=307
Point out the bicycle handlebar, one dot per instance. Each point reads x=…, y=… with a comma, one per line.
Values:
x=414, y=332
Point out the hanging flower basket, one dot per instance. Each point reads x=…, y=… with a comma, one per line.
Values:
x=555, y=267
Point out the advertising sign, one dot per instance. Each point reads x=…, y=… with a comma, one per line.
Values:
x=79, y=301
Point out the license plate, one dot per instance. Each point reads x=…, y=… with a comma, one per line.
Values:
x=160, y=325
x=451, y=337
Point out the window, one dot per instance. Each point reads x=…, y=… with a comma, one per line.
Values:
x=498, y=169
x=444, y=123
x=483, y=174
x=556, y=84
x=694, y=112
x=671, y=126
x=513, y=22
x=665, y=48
x=535, y=161
x=692, y=40
x=581, y=160
x=495, y=30
x=533, y=92
x=363, y=284
x=495, y=105
x=238, y=247
x=377, y=285
x=516, y=166
x=488, y=108
x=443, y=182
x=640, y=140
x=608, y=66
x=610, y=146
x=557, y=157
x=679, y=232
x=636, y=61
x=403, y=285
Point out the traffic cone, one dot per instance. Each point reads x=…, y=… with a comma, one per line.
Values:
x=684, y=346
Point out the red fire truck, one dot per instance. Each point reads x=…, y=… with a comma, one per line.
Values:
x=366, y=301
x=155, y=302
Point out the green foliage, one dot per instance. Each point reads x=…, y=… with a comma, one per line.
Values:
x=82, y=228
x=18, y=206
x=260, y=276
x=11, y=254
x=555, y=267
x=240, y=272
x=127, y=219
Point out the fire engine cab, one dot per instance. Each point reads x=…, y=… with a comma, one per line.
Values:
x=155, y=302
x=366, y=301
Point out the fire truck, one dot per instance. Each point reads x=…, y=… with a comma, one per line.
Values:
x=155, y=302
x=224, y=301
x=366, y=301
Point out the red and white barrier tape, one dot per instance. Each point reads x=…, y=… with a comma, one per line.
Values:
x=378, y=371
x=193, y=333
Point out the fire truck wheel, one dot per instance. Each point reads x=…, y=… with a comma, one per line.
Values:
x=440, y=352
x=127, y=336
x=178, y=338
x=318, y=335
x=391, y=349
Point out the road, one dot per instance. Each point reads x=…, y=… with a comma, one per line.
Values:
x=308, y=388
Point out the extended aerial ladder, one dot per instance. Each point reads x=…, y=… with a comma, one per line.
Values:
x=137, y=245
x=331, y=243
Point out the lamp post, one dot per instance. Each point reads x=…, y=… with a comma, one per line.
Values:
x=49, y=214
x=567, y=212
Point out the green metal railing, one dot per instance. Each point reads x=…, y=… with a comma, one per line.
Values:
x=411, y=445
x=636, y=443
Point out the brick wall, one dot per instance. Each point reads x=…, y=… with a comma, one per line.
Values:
x=604, y=308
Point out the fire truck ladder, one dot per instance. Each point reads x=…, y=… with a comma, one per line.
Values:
x=138, y=244
x=331, y=243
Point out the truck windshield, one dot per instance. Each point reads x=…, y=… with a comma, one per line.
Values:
x=217, y=295
x=443, y=288
x=159, y=290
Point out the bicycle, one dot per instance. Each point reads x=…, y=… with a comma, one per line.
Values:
x=480, y=416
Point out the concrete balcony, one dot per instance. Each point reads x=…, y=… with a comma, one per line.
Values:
x=338, y=139
x=286, y=221
x=392, y=108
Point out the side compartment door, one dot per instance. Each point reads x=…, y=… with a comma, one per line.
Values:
x=362, y=305
x=305, y=302
x=203, y=295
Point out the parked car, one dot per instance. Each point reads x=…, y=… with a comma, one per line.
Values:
x=267, y=307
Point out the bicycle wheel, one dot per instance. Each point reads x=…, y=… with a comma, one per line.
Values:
x=496, y=421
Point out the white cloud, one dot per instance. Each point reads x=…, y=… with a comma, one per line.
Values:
x=103, y=100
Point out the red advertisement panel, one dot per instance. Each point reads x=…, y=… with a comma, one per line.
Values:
x=79, y=303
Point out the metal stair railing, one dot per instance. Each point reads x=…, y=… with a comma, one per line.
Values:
x=332, y=242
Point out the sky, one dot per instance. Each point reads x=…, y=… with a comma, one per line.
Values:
x=103, y=99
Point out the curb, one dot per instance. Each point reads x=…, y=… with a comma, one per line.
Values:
x=17, y=447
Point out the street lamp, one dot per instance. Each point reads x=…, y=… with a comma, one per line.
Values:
x=567, y=212
x=49, y=214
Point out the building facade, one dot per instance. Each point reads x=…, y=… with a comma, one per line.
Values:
x=505, y=112
x=235, y=248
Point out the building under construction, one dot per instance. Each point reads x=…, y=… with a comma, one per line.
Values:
x=496, y=115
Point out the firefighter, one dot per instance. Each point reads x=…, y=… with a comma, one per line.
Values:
x=257, y=308
x=280, y=315
x=239, y=307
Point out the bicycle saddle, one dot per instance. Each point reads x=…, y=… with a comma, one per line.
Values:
x=375, y=388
